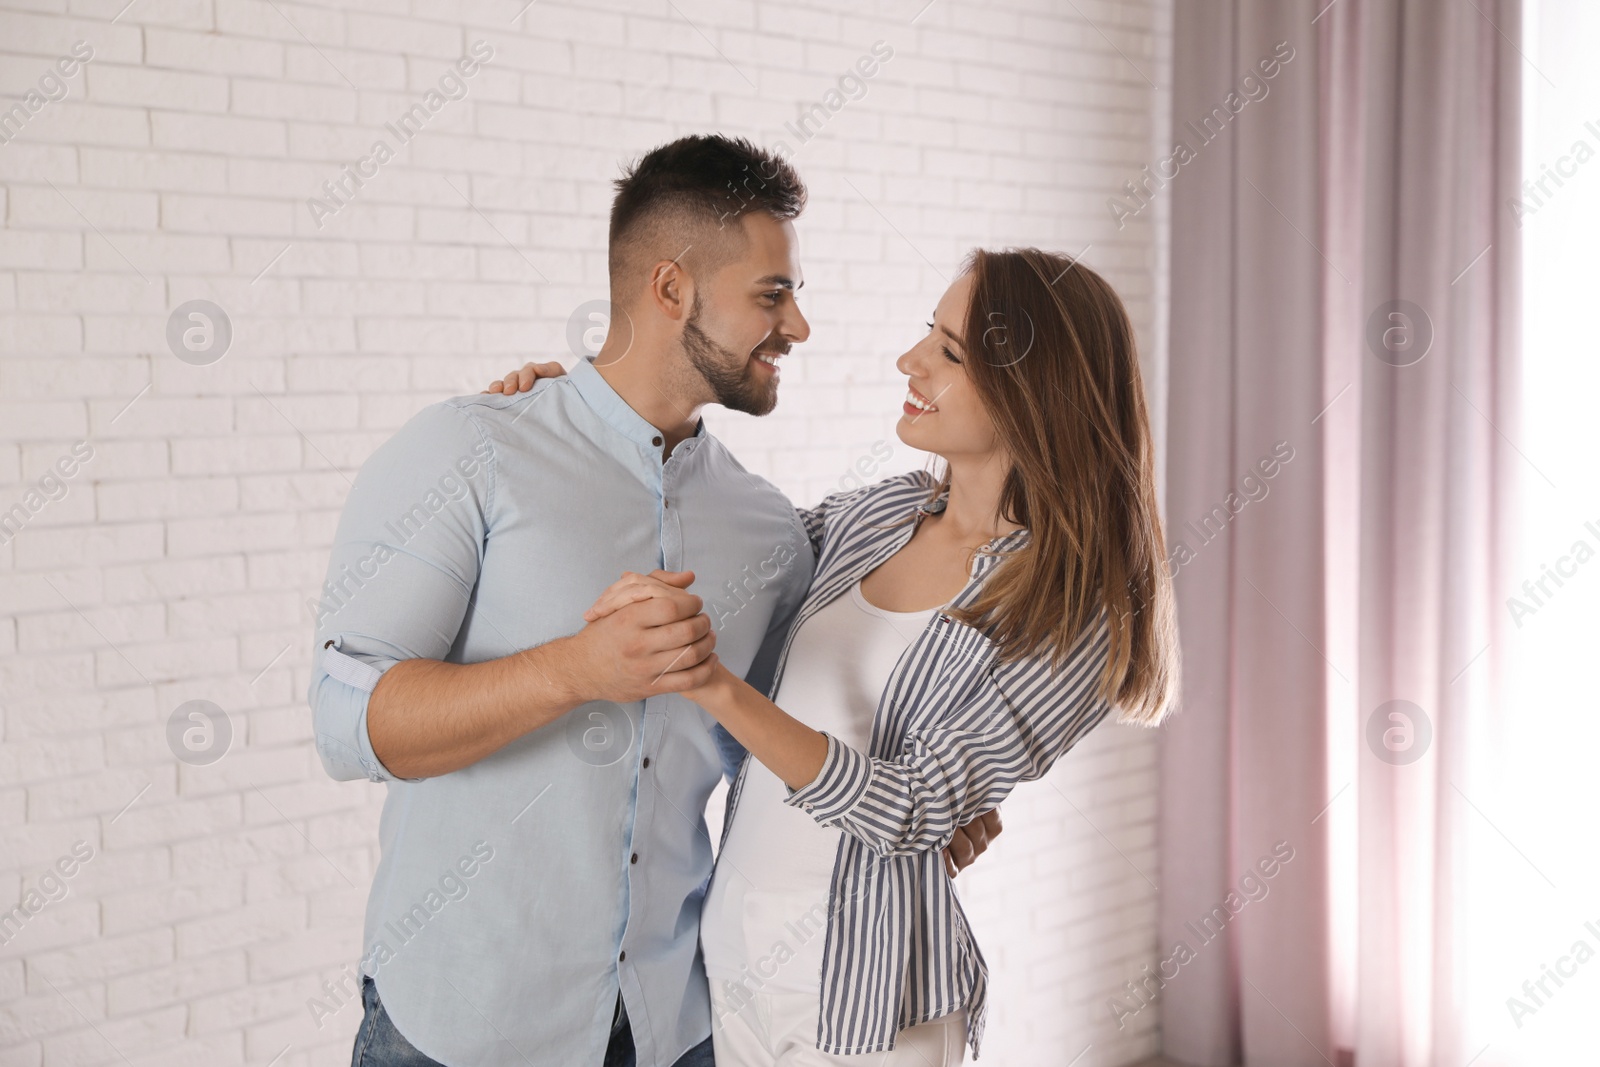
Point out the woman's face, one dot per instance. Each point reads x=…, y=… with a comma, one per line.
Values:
x=942, y=413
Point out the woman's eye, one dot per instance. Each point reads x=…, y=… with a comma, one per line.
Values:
x=930, y=325
x=951, y=356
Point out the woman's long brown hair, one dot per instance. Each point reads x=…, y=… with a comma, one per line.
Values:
x=1051, y=353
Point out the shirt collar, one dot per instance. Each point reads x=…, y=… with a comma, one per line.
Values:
x=609, y=405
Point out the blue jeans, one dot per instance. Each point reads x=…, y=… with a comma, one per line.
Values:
x=379, y=1044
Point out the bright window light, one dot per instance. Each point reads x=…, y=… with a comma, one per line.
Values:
x=1538, y=990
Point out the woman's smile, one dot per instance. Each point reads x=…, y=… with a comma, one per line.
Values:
x=916, y=404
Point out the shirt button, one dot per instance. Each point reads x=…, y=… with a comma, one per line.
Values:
x=656, y=441
x=806, y=806
x=623, y=956
x=646, y=762
x=664, y=504
x=634, y=858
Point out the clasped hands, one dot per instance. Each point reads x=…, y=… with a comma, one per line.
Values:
x=648, y=635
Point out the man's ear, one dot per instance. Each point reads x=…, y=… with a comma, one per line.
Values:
x=671, y=289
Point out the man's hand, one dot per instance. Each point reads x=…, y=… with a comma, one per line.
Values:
x=970, y=841
x=661, y=643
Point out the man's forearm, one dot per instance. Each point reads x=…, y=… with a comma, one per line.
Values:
x=427, y=718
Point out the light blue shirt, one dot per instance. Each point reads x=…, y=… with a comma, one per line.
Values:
x=515, y=896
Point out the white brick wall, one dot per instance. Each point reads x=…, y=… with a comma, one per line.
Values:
x=177, y=563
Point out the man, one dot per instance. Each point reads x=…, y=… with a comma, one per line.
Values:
x=544, y=851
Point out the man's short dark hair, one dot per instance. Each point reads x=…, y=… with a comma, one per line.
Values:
x=696, y=183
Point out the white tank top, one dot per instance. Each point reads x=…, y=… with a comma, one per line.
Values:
x=766, y=909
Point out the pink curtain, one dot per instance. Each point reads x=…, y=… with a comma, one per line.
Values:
x=1343, y=369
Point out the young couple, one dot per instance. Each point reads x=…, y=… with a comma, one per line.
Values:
x=873, y=675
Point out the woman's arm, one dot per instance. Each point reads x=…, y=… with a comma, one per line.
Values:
x=791, y=750
x=796, y=754
x=520, y=381
x=947, y=773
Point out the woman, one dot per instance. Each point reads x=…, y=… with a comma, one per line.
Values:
x=961, y=633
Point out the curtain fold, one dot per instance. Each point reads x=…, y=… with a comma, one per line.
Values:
x=1442, y=113
x=1344, y=302
x=1242, y=767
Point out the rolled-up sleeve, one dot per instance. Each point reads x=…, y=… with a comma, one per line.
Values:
x=339, y=712
x=1009, y=728
x=404, y=562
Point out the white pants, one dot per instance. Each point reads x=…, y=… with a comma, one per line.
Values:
x=779, y=1029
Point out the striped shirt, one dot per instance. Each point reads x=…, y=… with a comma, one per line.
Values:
x=954, y=731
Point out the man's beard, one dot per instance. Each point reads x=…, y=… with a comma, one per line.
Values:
x=733, y=383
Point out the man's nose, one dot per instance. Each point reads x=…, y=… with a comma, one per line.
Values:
x=795, y=328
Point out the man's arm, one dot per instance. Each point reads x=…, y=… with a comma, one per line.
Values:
x=427, y=717
x=404, y=567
